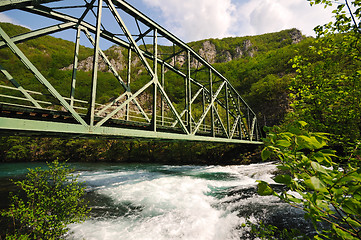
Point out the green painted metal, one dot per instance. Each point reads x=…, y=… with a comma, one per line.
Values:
x=161, y=97
x=40, y=32
x=19, y=87
x=39, y=76
x=10, y=4
x=212, y=111
x=128, y=81
x=155, y=80
x=91, y=110
x=62, y=129
x=75, y=67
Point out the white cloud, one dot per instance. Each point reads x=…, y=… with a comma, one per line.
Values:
x=195, y=20
x=4, y=18
x=263, y=16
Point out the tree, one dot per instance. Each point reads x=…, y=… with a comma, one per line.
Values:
x=327, y=88
x=53, y=199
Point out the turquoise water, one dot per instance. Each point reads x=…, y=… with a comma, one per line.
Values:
x=149, y=201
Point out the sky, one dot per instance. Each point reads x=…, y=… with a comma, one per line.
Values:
x=192, y=20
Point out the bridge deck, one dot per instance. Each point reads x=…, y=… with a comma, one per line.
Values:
x=28, y=121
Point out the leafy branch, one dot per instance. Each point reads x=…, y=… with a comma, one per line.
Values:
x=329, y=191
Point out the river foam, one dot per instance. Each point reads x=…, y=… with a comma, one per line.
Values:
x=173, y=202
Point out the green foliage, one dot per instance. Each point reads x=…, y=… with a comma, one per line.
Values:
x=269, y=232
x=327, y=190
x=326, y=90
x=54, y=199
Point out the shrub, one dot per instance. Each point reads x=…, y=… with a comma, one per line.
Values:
x=53, y=199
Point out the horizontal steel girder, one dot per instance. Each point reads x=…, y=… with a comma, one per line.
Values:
x=38, y=128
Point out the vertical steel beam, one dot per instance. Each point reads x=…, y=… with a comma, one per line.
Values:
x=204, y=108
x=240, y=120
x=95, y=65
x=227, y=109
x=161, y=96
x=75, y=66
x=155, y=79
x=211, y=96
x=189, y=90
x=252, y=128
x=186, y=101
x=248, y=122
x=128, y=81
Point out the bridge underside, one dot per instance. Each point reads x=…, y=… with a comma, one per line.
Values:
x=205, y=107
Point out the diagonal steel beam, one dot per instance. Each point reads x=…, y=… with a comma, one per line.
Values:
x=184, y=111
x=234, y=127
x=115, y=73
x=39, y=33
x=129, y=36
x=89, y=6
x=166, y=98
x=19, y=87
x=106, y=60
x=123, y=104
x=142, y=35
x=39, y=76
x=210, y=105
x=111, y=103
x=221, y=122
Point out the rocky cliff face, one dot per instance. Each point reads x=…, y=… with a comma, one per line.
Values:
x=208, y=51
x=296, y=36
x=115, y=56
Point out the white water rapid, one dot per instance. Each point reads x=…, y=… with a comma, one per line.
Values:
x=159, y=202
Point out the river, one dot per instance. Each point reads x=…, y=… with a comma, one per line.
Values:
x=156, y=202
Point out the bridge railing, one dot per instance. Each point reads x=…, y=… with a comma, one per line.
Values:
x=165, y=87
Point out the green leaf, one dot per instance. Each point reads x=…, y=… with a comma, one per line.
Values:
x=284, y=168
x=264, y=189
x=318, y=168
x=343, y=234
x=265, y=154
x=316, y=184
x=353, y=222
x=302, y=123
x=283, y=143
x=284, y=179
x=351, y=206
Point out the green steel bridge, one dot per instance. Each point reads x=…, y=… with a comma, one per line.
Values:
x=211, y=109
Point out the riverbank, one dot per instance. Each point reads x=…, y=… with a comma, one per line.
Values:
x=26, y=149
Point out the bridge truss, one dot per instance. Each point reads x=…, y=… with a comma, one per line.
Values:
x=205, y=107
